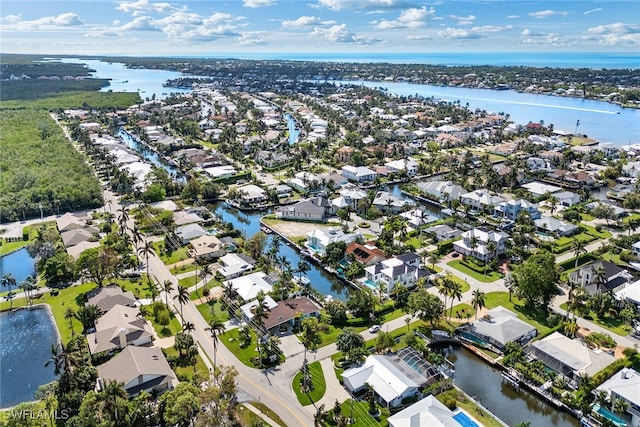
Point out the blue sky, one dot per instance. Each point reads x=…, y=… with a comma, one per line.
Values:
x=146, y=27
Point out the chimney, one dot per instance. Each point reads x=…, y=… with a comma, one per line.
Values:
x=122, y=335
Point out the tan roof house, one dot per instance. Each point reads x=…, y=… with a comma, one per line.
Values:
x=139, y=369
x=118, y=328
x=109, y=296
x=207, y=247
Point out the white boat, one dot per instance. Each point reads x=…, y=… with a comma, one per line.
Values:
x=302, y=280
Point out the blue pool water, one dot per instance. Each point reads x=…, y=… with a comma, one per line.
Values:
x=616, y=420
x=19, y=264
x=464, y=420
x=371, y=284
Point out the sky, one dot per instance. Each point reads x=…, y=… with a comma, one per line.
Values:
x=214, y=27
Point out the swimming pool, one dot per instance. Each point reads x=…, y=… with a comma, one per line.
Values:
x=464, y=420
x=616, y=420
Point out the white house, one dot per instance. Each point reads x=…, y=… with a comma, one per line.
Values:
x=358, y=173
x=402, y=269
x=512, y=208
x=409, y=165
x=625, y=385
x=481, y=198
x=248, y=287
x=320, y=238
x=252, y=194
x=233, y=265
x=442, y=190
x=635, y=249
x=475, y=242
x=425, y=412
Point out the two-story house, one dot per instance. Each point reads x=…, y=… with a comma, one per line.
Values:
x=601, y=276
x=358, y=173
x=478, y=241
x=402, y=269
x=510, y=209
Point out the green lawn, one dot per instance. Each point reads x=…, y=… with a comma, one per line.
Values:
x=213, y=309
x=9, y=247
x=186, y=373
x=170, y=330
x=189, y=281
x=491, y=276
x=183, y=269
x=360, y=411
x=613, y=324
x=197, y=295
x=231, y=340
x=318, y=383
x=331, y=333
x=269, y=413
x=66, y=298
x=462, y=309
x=178, y=255
x=536, y=319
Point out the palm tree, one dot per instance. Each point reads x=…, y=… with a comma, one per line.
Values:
x=216, y=327
x=620, y=406
x=146, y=250
x=167, y=287
x=434, y=258
x=473, y=243
x=445, y=288
x=152, y=289
x=8, y=281
x=491, y=249
x=27, y=285
x=62, y=360
x=455, y=292
x=600, y=277
x=110, y=393
x=9, y=297
x=570, y=328
x=303, y=268
x=478, y=301
x=183, y=297
x=136, y=235
x=205, y=271
x=188, y=327
x=578, y=248
x=69, y=315
x=123, y=218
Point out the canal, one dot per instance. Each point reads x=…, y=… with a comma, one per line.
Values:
x=511, y=405
x=148, y=154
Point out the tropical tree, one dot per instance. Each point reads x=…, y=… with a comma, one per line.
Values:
x=69, y=315
x=113, y=394
x=188, y=327
x=61, y=359
x=478, y=300
x=9, y=297
x=167, y=287
x=600, y=277
x=578, y=247
x=455, y=292
x=205, y=272
x=8, y=281
x=88, y=315
x=215, y=328
x=310, y=331
x=146, y=250
x=183, y=298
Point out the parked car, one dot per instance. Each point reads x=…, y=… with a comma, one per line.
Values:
x=374, y=329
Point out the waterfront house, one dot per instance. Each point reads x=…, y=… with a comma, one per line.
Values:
x=288, y=314
x=349, y=197
x=207, y=247
x=118, y=328
x=443, y=232
x=320, y=238
x=391, y=377
x=601, y=276
x=569, y=357
x=481, y=199
x=107, y=297
x=313, y=209
x=625, y=386
x=184, y=218
x=426, y=412
x=408, y=165
x=252, y=194
x=538, y=189
x=366, y=254
x=248, y=309
x=233, y=265
x=444, y=191
x=358, y=173
x=498, y=328
x=139, y=369
x=512, y=208
x=402, y=269
x=388, y=203
x=306, y=182
x=189, y=232
x=566, y=198
x=549, y=224
x=418, y=217
x=475, y=242
x=249, y=286
x=221, y=172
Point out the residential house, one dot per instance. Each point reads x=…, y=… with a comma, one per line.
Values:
x=78, y=235
x=207, y=247
x=306, y=182
x=366, y=254
x=221, y=172
x=425, y=412
x=391, y=377
x=408, y=165
x=443, y=232
x=402, y=269
x=107, y=297
x=248, y=309
x=313, y=209
x=187, y=233
x=349, y=197
x=512, y=208
x=233, y=265
x=625, y=386
x=481, y=199
x=444, y=191
x=76, y=250
x=119, y=327
x=388, y=203
x=569, y=357
x=549, y=224
x=343, y=154
x=566, y=198
x=535, y=164
x=70, y=221
x=358, y=173
x=631, y=294
x=635, y=249
x=252, y=194
x=248, y=287
x=270, y=159
x=288, y=315
x=184, y=218
x=320, y=238
x=601, y=276
x=498, y=328
x=538, y=189
x=476, y=242
x=418, y=217
x=139, y=369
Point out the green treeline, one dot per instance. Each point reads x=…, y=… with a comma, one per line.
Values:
x=39, y=166
x=35, y=89
x=87, y=100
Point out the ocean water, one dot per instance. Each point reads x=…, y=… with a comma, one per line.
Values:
x=595, y=60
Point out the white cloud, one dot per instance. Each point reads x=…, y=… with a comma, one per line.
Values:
x=63, y=20
x=302, y=22
x=597, y=9
x=252, y=39
x=409, y=18
x=68, y=19
x=616, y=34
x=180, y=17
x=513, y=16
x=458, y=33
x=463, y=20
x=257, y=3
x=548, y=13
x=484, y=29
x=341, y=34
x=141, y=23
x=419, y=37
x=528, y=33
x=338, y=5
x=144, y=6
x=551, y=39
x=11, y=19
x=616, y=28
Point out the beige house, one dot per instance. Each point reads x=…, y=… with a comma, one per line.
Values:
x=139, y=369
x=207, y=247
x=118, y=328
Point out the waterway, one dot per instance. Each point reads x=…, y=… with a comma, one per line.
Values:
x=149, y=155
x=19, y=264
x=597, y=118
x=511, y=405
x=294, y=132
x=26, y=337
